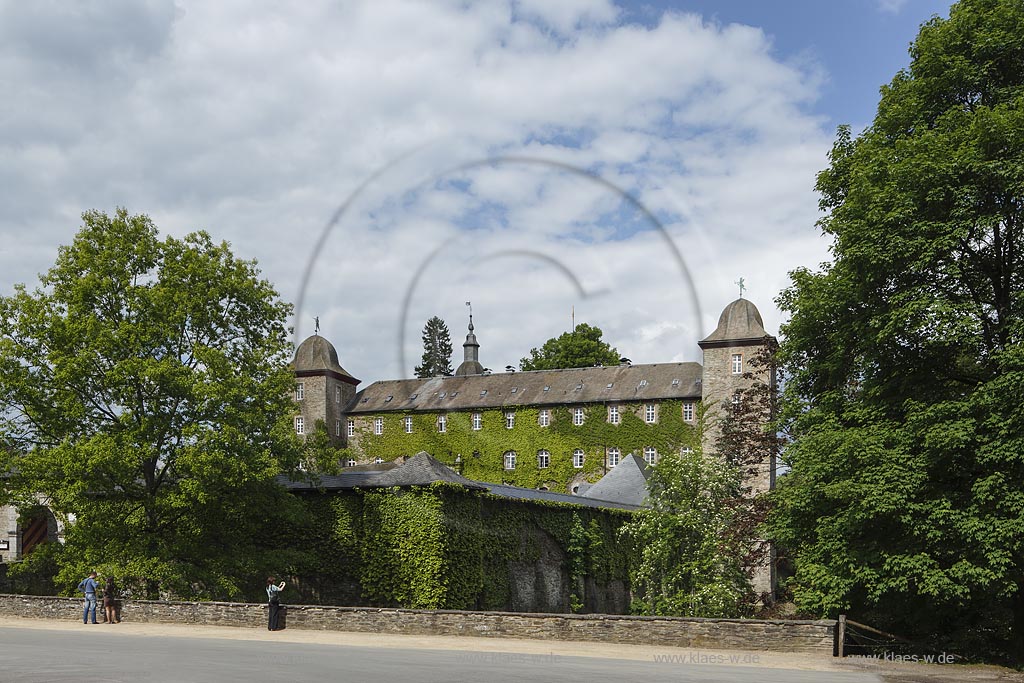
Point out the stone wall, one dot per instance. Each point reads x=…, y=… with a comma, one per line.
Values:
x=746, y=634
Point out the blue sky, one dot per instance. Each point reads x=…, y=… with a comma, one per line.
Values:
x=484, y=151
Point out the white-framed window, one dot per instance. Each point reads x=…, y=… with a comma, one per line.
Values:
x=577, y=458
x=337, y=394
x=737, y=363
x=685, y=450
x=378, y=460
x=688, y=411
x=300, y=425
x=510, y=420
x=350, y=463
x=577, y=416
x=544, y=417
x=407, y=423
x=351, y=428
x=442, y=423
x=650, y=455
x=478, y=422
x=337, y=427
x=650, y=413
x=300, y=391
x=613, y=415
x=510, y=460
x=378, y=425
x=614, y=456
x=543, y=459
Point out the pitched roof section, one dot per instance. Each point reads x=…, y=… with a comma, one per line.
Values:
x=316, y=356
x=539, y=387
x=625, y=483
x=419, y=470
x=740, y=321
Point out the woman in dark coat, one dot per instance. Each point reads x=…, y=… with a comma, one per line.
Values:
x=274, y=600
x=110, y=601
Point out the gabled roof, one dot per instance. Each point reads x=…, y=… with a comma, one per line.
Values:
x=625, y=483
x=658, y=381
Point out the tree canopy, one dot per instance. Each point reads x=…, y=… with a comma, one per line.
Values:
x=581, y=348
x=905, y=502
x=146, y=393
x=437, y=350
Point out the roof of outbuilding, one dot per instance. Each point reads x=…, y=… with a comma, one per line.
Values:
x=423, y=470
x=538, y=387
x=624, y=483
x=740, y=321
x=316, y=354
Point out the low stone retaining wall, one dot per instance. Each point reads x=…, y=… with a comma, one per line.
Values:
x=745, y=634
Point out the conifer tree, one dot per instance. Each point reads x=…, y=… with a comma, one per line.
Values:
x=437, y=350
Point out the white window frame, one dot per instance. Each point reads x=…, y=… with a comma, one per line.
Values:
x=544, y=417
x=650, y=413
x=478, y=422
x=577, y=416
x=378, y=460
x=509, y=460
x=614, y=456
x=300, y=391
x=613, y=415
x=351, y=428
x=688, y=411
x=650, y=455
x=543, y=459
x=350, y=462
x=378, y=425
x=737, y=363
x=510, y=420
x=442, y=423
x=407, y=423
x=685, y=450
x=300, y=424
x=578, y=458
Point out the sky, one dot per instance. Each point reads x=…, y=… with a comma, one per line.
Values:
x=620, y=164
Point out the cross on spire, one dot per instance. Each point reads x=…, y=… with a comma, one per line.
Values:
x=742, y=286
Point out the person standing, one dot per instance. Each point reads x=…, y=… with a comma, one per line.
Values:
x=274, y=604
x=110, y=601
x=88, y=586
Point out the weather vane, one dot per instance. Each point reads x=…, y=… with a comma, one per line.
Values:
x=316, y=325
x=742, y=286
x=470, y=312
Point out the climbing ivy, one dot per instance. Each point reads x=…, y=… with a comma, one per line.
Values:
x=480, y=453
x=443, y=547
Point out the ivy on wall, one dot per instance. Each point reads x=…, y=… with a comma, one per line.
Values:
x=481, y=452
x=443, y=547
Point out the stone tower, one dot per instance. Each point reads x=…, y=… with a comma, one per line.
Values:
x=728, y=369
x=323, y=389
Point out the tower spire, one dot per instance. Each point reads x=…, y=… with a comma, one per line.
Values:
x=470, y=351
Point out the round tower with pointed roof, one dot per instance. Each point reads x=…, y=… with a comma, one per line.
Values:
x=323, y=389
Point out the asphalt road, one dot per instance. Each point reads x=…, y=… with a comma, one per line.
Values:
x=50, y=656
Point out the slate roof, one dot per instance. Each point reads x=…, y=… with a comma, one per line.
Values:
x=563, y=387
x=317, y=355
x=740, y=321
x=624, y=483
x=421, y=470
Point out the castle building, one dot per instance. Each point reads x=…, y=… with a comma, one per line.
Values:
x=547, y=429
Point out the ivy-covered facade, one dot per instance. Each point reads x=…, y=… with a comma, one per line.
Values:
x=550, y=429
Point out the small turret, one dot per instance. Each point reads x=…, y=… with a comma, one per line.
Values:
x=471, y=354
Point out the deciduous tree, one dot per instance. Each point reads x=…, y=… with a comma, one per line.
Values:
x=581, y=348
x=904, y=505
x=145, y=389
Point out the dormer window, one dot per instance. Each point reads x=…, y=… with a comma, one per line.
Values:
x=643, y=383
x=387, y=399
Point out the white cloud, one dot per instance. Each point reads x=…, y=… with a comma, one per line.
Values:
x=256, y=122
